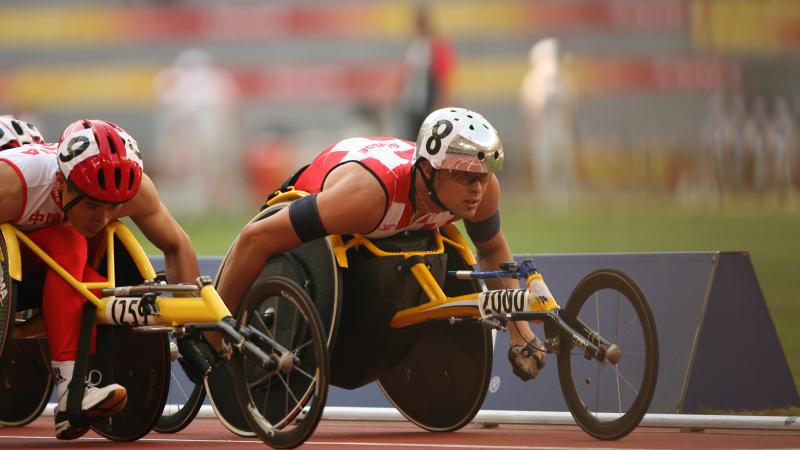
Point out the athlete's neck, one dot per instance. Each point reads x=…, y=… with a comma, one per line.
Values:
x=422, y=201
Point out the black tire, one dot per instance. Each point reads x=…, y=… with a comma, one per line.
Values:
x=183, y=403
x=25, y=382
x=283, y=409
x=138, y=361
x=8, y=304
x=610, y=407
x=222, y=396
x=145, y=376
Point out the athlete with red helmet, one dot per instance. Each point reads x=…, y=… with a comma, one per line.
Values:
x=383, y=186
x=63, y=194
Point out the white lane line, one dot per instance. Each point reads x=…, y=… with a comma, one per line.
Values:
x=367, y=444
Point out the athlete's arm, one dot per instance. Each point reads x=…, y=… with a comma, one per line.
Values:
x=352, y=201
x=160, y=228
x=495, y=250
x=10, y=194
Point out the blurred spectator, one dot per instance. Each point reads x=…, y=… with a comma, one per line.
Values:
x=199, y=158
x=549, y=119
x=737, y=168
x=783, y=138
x=716, y=139
x=268, y=162
x=759, y=153
x=428, y=70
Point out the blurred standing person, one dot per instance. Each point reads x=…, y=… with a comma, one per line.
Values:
x=199, y=149
x=716, y=139
x=427, y=74
x=738, y=132
x=784, y=143
x=759, y=148
x=548, y=113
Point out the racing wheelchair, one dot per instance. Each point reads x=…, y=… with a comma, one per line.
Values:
x=391, y=314
x=136, y=319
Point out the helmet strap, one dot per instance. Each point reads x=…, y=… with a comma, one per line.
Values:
x=431, y=191
x=71, y=204
x=68, y=186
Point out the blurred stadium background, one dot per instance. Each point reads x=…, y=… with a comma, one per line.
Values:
x=683, y=114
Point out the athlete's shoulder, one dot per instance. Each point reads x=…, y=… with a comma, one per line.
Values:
x=31, y=150
x=364, y=144
x=35, y=162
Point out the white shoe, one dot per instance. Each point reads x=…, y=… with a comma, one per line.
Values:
x=97, y=403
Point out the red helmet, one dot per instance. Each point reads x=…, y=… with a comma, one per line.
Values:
x=16, y=133
x=100, y=160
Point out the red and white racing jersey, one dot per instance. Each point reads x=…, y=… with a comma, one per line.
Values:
x=389, y=160
x=36, y=166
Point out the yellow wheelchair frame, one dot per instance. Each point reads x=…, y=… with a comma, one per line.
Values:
x=172, y=311
x=439, y=305
x=141, y=308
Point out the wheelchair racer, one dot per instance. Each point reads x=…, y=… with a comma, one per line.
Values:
x=383, y=186
x=63, y=195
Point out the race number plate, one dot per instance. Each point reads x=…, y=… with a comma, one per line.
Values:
x=503, y=301
x=126, y=311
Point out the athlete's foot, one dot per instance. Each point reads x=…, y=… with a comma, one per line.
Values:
x=198, y=357
x=97, y=404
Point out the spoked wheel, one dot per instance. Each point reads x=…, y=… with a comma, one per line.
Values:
x=283, y=403
x=609, y=400
x=184, y=400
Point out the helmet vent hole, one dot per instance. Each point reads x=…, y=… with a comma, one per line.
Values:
x=17, y=127
x=130, y=179
x=117, y=177
x=469, y=115
x=471, y=127
x=484, y=126
x=111, y=145
x=496, y=155
x=481, y=156
x=101, y=179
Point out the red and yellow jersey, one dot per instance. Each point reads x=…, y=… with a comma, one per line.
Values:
x=390, y=161
x=36, y=166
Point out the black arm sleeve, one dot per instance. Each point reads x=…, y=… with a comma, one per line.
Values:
x=305, y=218
x=485, y=229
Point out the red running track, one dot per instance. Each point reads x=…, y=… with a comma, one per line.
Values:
x=341, y=435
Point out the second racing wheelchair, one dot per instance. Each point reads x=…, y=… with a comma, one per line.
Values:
x=409, y=312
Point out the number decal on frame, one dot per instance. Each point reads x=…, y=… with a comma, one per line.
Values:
x=126, y=311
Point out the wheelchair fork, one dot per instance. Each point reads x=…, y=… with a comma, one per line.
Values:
x=561, y=336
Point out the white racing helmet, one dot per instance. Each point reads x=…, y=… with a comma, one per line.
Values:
x=459, y=139
x=15, y=133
